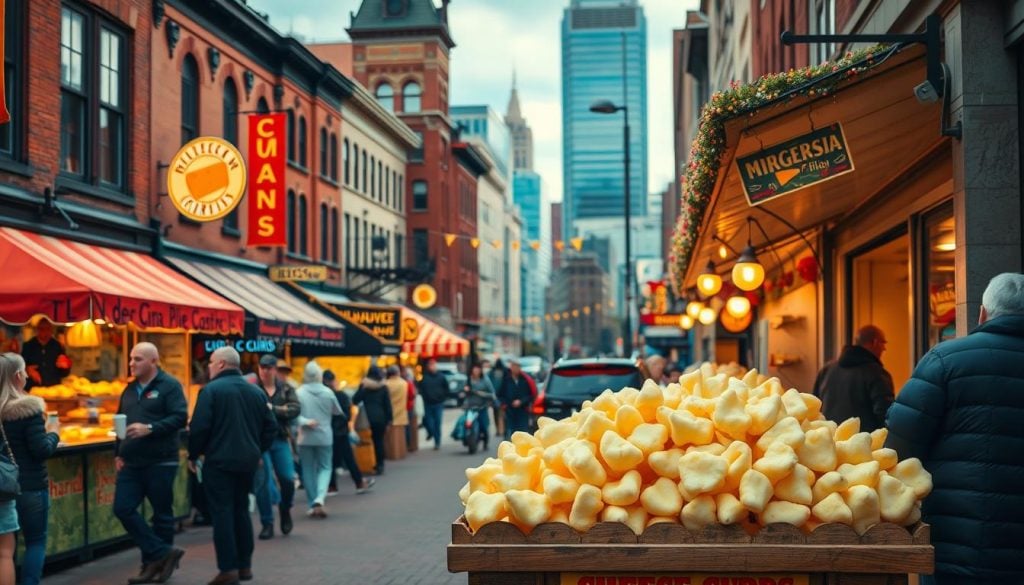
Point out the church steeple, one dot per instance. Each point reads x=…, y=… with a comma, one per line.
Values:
x=522, y=136
x=513, y=114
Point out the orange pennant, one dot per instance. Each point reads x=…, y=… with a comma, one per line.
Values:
x=449, y=239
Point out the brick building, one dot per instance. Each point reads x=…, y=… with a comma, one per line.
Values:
x=400, y=51
x=217, y=62
x=74, y=160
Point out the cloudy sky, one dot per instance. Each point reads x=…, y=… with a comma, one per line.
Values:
x=492, y=38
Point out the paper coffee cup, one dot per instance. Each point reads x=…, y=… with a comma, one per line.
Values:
x=120, y=425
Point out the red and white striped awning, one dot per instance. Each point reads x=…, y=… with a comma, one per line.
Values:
x=432, y=340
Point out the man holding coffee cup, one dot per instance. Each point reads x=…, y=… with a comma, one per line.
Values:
x=154, y=411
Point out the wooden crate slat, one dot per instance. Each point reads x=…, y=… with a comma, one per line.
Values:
x=922, y=533
x=554, y=533
x=780, y=534
x=886, y=533
x=722, y=534
x=609, y=533
x=888, y=559
x=499, y=533
x=666, y=533
x=833, y=533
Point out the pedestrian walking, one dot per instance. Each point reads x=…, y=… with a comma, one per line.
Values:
x=497, y=377
x=960, y=414
x=316, y=438
x=398, y=390
x=480, y=396
x=434, y=389
x=517, y=394
x=231, y=427
x=857, y=384
x=278, y=460
x=373, y=394
x=32, y=441
x=147, y=461
x=343, y=428
x=410, y=408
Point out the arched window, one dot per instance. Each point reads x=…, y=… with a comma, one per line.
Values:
x=290, y=120
x=386, y=96
x=355, y=166
x=333, y=157
x=324, y=233
x=323, y=152
x=411, y=94
x=345, y=161
x=364, y=183
x=334, y=235
x=372, y=191
x=303, y=226
x=262, y=107
x=189, y=99
x=302, y=142
x=230, y=111
x=290, y=223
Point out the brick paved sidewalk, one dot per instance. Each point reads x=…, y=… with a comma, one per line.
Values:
x=394, y=535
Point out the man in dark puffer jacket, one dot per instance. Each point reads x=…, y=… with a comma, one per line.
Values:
x=961, y=414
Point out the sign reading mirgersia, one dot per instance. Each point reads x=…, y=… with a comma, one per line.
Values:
x=795, y=164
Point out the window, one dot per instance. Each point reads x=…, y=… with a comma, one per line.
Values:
x=11, y=132
x=387, y=186
x=364, y=189
x=290, y=223
x=399, y=251
x=938, y=245
x=262, y=107
x=355, y=243
x=93, y=98
x=290, y=120
x=230, y=111
x=348, y=240
x=345, y=161
x=355, y=167
x=386, y=96
x=401, y=192
x=420, y=253
x=419, y=195
x=333, y=157
x=324, y=235
x=372, y=191
x=823, y=22
x=366, y=244
x=189, y=99
x=303, y=227
x=334, y=235
x=411, y=98
x=323, y=152
x=394, y=8
x=380, y=181
x=416, y=154
x=302, y=146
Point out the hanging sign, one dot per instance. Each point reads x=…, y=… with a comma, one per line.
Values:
x=266, y=169
x=424, y=296
x=299, y=273
x=382, y=322
x=206, y=179
x=795, y=164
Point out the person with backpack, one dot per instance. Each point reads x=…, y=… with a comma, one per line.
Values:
x=373, y=395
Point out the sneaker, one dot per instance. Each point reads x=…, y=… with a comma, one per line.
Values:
x=367, y=485
x=332, y=492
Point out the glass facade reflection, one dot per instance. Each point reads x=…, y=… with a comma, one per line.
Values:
x=595, y=34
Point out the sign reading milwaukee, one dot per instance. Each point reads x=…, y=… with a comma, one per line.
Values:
x=795, y=164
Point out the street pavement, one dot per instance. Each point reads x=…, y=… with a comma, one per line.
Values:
x=396, y=534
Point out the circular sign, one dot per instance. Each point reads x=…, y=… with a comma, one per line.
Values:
x=206, y=179
x=424, y=296
x=410, y=329
x=733, y=324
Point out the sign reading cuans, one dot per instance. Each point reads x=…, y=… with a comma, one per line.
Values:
x=795, y=164
x=266, y=169
x=206, y=179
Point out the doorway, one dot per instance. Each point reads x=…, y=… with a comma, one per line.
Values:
x=880, y=295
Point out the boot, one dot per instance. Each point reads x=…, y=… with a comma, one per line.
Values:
x=226, y=578
x=168, y=564
x=147, y=574
x=286, y=520
x=245, y=574
x=267, y=533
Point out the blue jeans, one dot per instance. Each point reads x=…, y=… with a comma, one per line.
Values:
x=33, y=510
x=279, y=459
x=432, y=416
x=316, y=471
x=155, y=483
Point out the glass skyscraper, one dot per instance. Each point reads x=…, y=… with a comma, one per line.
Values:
x=595, y=34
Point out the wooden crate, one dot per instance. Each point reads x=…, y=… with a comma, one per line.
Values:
x=833, y=554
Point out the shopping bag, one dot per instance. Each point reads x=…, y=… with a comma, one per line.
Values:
x=418, y=407
x=460, y=428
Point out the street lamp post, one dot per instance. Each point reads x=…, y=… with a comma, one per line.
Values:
x=607, y=107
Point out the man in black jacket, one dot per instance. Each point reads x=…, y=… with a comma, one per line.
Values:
x=232, y=425
x=857, y=384
x=960, y=414
x=278, y=460
x=434, y=389
x=147, y=461
x=517, y=393
x=45, y=360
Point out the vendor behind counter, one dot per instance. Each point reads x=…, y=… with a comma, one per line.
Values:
x=45, y=359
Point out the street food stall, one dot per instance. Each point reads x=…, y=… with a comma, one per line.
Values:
x=101, y=302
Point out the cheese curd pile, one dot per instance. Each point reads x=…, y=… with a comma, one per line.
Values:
x=712, y=449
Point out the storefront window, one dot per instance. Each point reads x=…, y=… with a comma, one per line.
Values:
x=938, y=270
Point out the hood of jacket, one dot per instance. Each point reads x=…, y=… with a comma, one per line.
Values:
x=854, y=356
x=1003, y=325
x=315, y=389
x=371, y=384
x=23, y=406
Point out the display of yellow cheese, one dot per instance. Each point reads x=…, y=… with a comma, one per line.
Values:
x=722, y=446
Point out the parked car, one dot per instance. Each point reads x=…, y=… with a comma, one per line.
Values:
x=571, y=382
x=535, y=366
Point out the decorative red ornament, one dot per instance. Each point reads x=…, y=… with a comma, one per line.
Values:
x=754, y=296
x=808, y=268
x=787, y=278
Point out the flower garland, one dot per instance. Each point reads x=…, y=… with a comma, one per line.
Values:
x=709, y=144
